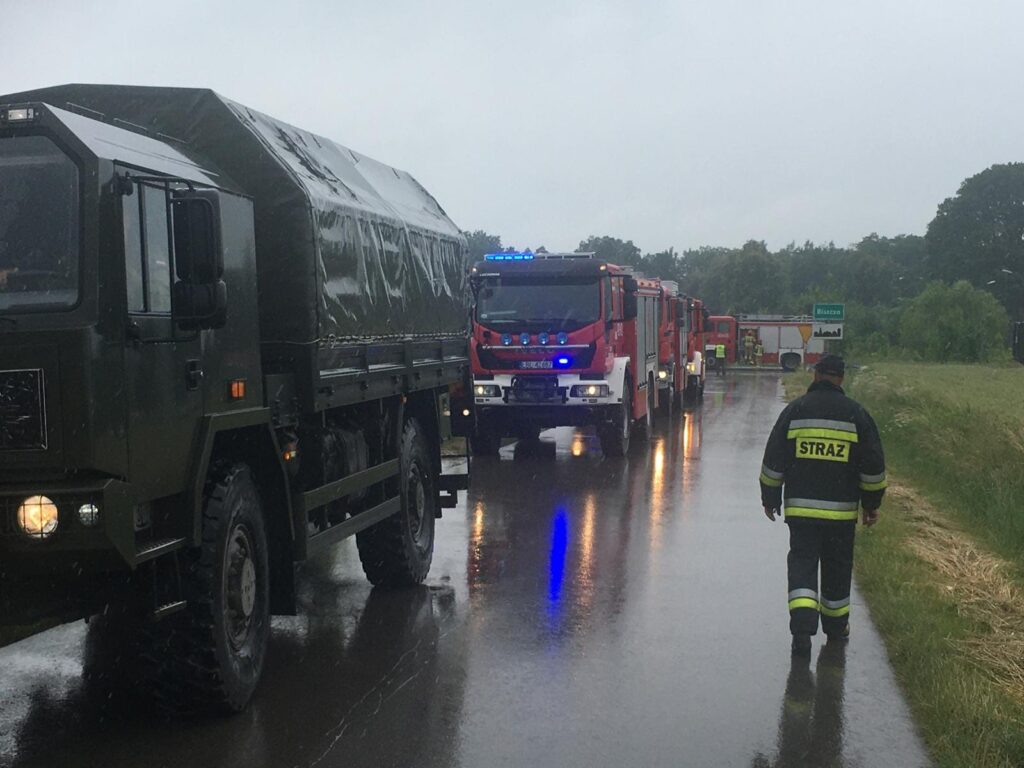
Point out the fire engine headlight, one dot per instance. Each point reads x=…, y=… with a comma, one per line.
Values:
x=37, y=517
x=590, y=390
x=89, y=515
x=692, y=369
x=662, y=374
x=487, y=390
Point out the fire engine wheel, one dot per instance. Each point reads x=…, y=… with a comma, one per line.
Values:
x=615, y=436
x=210, y=657
x=397, y=551
x=692, y=393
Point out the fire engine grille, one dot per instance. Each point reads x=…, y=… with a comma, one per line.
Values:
x=509, y=361
x=22, y=410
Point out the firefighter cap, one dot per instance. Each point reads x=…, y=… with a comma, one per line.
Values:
x=831, y=365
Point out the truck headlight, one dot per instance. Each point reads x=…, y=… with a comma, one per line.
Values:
x=691, y=368
x=590, y=390
x=37, y=517
x=663, y=374
x=487, y=390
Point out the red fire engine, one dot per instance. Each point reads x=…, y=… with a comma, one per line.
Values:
x=786, y=340
x=681, y=358
x=562, y=339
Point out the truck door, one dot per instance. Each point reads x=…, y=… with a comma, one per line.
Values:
x=163, y=365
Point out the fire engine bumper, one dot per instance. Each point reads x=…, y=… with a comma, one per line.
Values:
x=509, y=401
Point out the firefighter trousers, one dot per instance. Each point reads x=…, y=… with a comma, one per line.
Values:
x=831, y=545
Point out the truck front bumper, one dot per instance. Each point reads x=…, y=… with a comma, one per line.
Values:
x=95, y=527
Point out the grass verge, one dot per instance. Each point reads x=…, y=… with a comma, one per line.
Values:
x=943, y=573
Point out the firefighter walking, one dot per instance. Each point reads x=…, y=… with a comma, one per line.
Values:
x=822, y=464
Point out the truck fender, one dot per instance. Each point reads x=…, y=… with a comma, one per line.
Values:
x=617, y=378
x=248, y=436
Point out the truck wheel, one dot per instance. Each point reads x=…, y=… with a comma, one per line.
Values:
x=615, y=437
x=665, y=398
x=690, y=394
x=397, y=551
x=484, y=443
x=210, y=657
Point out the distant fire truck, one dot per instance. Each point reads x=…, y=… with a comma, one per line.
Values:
x=563, y=339
x=787, y=340
x=681, y=353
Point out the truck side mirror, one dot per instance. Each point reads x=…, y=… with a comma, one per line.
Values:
x=629, y=289
x=199, y=294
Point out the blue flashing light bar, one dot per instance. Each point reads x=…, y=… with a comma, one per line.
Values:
x=508, y=257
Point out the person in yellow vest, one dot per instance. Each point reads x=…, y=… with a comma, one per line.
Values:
x=720, y=359
x=759, y=353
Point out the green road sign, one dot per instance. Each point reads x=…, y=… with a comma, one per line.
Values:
x=829, y=313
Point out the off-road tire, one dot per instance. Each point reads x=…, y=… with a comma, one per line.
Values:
x=615, y=437
x=210, y=657
x=397, y=551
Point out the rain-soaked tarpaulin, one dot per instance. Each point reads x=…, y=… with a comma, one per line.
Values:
x=347, y=248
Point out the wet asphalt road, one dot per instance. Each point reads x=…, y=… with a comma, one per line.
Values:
x=579, y=612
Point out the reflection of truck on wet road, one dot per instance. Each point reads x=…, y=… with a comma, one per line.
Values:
x=786, y=339
x=562, y=340
x=225, y=344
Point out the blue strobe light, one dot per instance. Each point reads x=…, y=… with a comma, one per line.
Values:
x=543, y=338
x=524, y=338
x=508, y=257
x=506, y=339
x=562, y=362
x=563, y=337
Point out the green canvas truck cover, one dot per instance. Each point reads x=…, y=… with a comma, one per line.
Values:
x=347, y=248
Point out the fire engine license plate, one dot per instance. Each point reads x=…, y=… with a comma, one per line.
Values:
x=534, y=363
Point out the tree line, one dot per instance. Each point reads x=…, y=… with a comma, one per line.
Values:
x=948, y=295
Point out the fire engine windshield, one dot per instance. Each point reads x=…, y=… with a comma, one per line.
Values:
x=561, y=305
x=38, y=225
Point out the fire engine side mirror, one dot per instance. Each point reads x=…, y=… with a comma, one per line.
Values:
x=629, y=289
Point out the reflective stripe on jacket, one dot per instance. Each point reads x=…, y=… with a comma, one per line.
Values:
x=824, y=458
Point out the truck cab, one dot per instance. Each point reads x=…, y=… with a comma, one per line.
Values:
x=118, y=254
x=561, y=340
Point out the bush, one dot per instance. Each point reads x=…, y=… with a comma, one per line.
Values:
x=954, y=323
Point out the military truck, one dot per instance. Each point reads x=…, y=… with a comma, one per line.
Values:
x=226, y=343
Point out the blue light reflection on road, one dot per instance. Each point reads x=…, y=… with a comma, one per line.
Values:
x=556, y=566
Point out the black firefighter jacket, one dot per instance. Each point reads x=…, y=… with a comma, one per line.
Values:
x=826, y=453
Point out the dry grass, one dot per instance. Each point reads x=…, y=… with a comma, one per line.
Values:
x=982, y=587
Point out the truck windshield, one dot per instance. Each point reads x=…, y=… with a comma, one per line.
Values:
x=38, y=225
x=551, y=305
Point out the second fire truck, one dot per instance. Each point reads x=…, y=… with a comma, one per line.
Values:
x=565, y=339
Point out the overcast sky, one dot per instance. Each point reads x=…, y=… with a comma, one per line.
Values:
x=668, y=123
